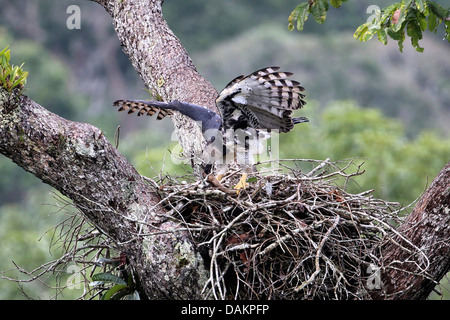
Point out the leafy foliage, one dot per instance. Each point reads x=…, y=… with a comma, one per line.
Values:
x=120, y=288
x=412, y=16
x=406, y=18
x=11, y=76
x=318, y=8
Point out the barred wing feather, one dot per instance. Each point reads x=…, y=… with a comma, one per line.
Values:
x=267, y=94
x=143, y=107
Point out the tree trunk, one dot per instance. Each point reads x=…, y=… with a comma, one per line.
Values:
x=410, y=273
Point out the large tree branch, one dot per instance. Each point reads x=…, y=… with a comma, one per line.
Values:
x=77, y=160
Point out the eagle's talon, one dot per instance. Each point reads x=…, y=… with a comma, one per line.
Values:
x=242, y=184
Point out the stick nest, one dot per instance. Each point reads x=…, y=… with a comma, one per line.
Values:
x=288, y=235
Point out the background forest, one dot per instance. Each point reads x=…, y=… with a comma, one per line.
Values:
x=388, y=110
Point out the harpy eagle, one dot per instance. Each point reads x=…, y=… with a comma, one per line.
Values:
x=249, y=108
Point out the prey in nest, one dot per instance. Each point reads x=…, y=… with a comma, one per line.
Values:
x=289, y=235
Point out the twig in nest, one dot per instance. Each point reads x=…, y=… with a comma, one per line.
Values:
x=318, y=256
x=213, y=181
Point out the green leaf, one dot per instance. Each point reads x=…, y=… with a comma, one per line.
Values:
x=4, y=54
x=413, y=30
x=400, y=41
x=406, y=3
x=394, y=35
x=336, y=3
x=382, y=35
x=7, y=55
x=364, y=33
x=437, y=10
x=22, y=79
x=300, y=14
x=109, y=295
x=319, y=10
x=420, y=5
x=432, y=22
x=368, y=34
x=4, y=50
x=360, y=31
x=398, y=36
x=422, y=21
x=252, y=180
x=108, y=278
x=447, y=30
x=13, y=74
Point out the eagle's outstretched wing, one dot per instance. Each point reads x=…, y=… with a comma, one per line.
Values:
x=207, y=118
x=264, y=99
